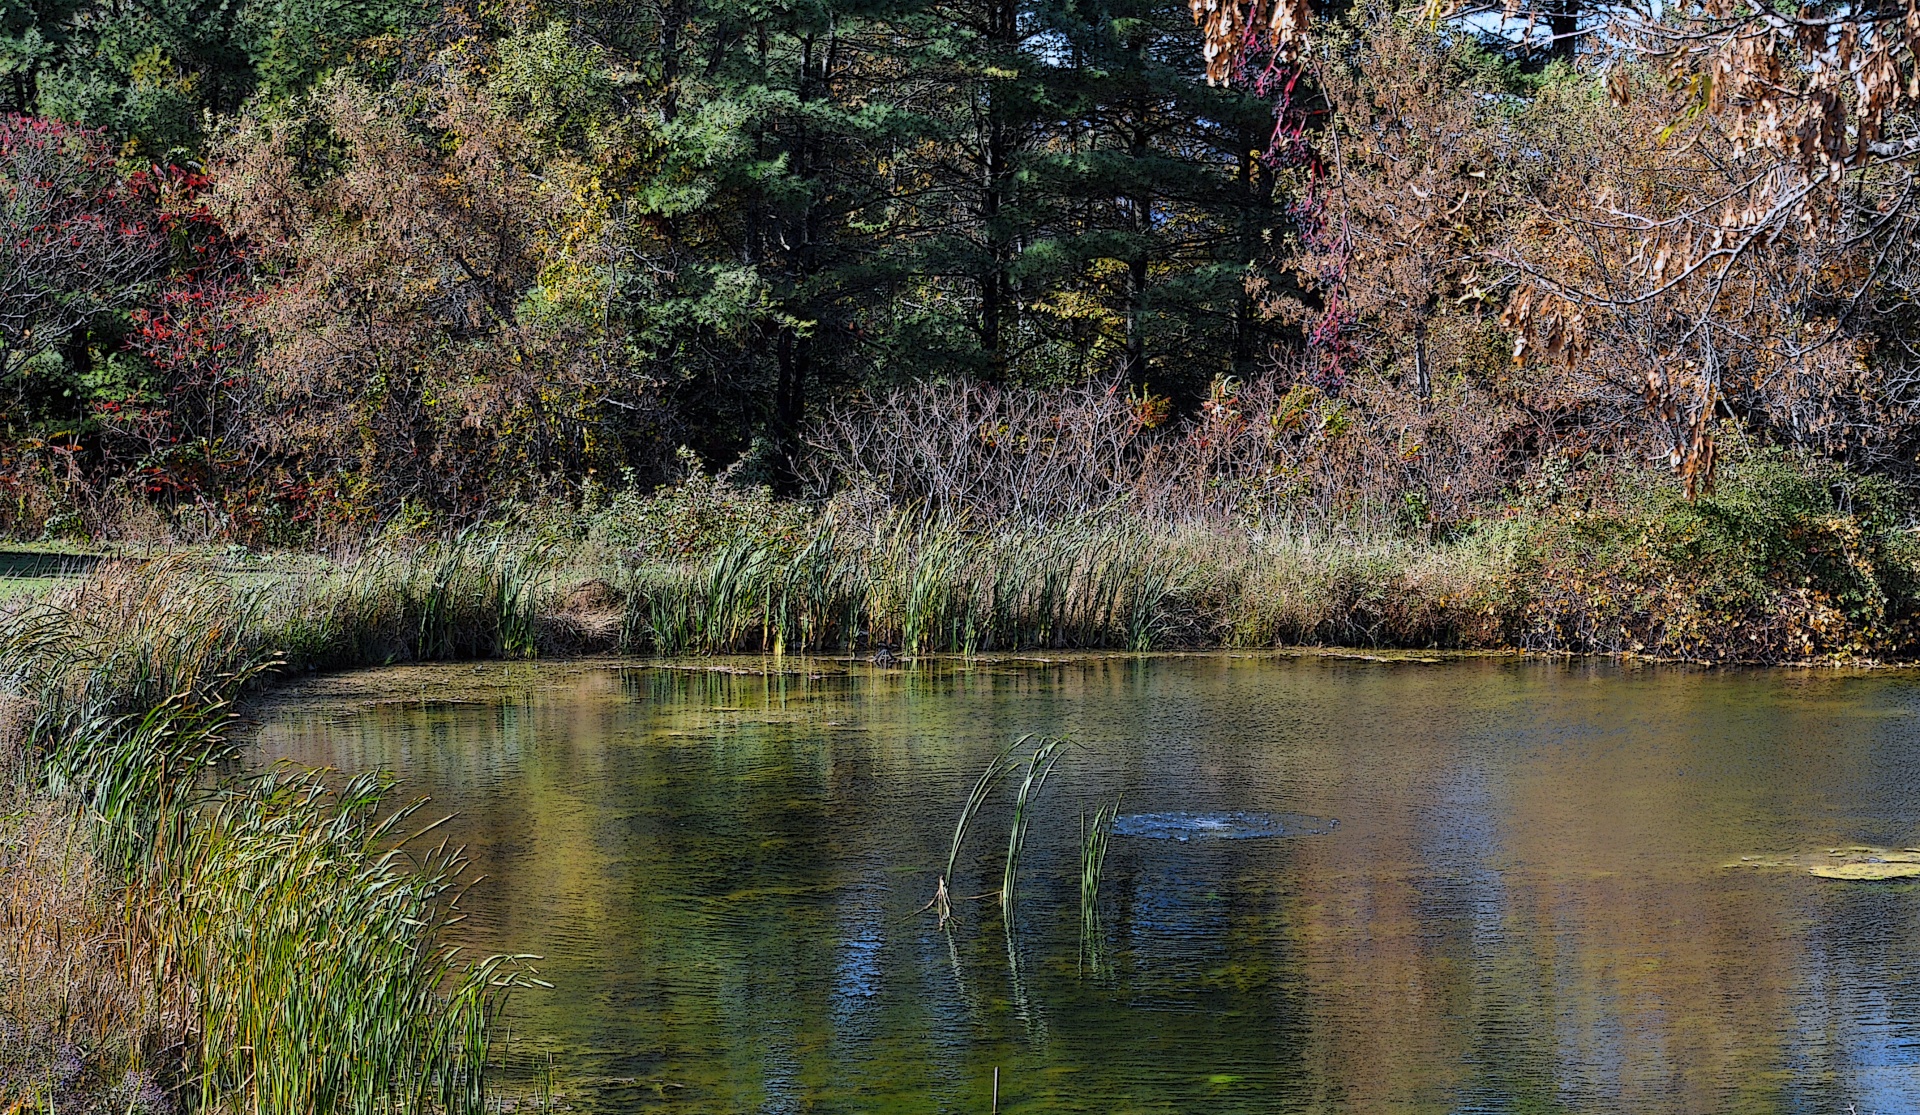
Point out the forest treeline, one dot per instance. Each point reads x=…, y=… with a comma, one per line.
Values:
x=285, y=272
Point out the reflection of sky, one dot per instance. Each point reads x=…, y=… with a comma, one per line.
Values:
x=1857, y=1033
x=1464, y=901
x=1175, y=923
x=1590, y=1026
x=856, y=958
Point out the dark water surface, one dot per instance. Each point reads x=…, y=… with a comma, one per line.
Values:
x=1522, y=908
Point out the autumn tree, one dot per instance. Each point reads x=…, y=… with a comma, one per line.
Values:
x=433, y=318
x=78, y=245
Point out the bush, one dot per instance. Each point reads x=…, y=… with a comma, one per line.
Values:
x=698, y=517
x=1789, y=557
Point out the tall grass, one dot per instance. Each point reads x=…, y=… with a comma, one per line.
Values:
x=1040, y=764
x=1095, y=833
x=938, y=588
x=1002, y=764
x=314, y=951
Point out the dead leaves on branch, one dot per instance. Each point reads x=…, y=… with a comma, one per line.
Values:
x=1231, y=29
x=1819, y=93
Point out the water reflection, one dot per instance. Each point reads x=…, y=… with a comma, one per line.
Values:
x=1522, y=908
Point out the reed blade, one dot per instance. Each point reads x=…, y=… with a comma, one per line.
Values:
x=1094, y=836
x=998, y=768
x=1046, y=755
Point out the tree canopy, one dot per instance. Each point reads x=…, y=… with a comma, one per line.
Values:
x=298, y=261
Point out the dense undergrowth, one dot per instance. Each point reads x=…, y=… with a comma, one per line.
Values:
x=176, y=937
x=1787, y=559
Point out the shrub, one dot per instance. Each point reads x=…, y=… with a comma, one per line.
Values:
x=1789, y=557
x=698, y=517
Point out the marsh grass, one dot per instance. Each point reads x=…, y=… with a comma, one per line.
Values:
x=998, y=767
x=282, y=943
x=1039, y=767
x=1035, y=767
x=1095, y=833
x=1111, y=584
x=314, y=944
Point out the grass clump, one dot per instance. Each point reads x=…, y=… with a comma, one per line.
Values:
x=1095, y=834
x=315, y=951
x=1040, y=764
x=268, y=946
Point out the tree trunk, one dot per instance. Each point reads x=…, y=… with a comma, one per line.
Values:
x=1563, y=22
x=1422, y=374
x=997, y=297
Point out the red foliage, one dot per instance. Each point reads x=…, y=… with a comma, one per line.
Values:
x=76, y=240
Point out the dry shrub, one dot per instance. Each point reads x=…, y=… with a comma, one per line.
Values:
x=1321, y=590
x=1275, y=451
x=84, y=1021
x=587, y=619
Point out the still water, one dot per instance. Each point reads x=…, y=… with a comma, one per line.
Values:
x=1523, y=905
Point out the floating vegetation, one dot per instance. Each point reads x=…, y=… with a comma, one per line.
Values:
x=1229, y=825
x=1869, y=871
x=1858, y=863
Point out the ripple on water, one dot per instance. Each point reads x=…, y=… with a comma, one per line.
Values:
x=1228, y=825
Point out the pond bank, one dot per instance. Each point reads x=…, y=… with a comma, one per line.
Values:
x=119, y=686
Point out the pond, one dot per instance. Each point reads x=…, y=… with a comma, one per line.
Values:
x=1490, y=884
